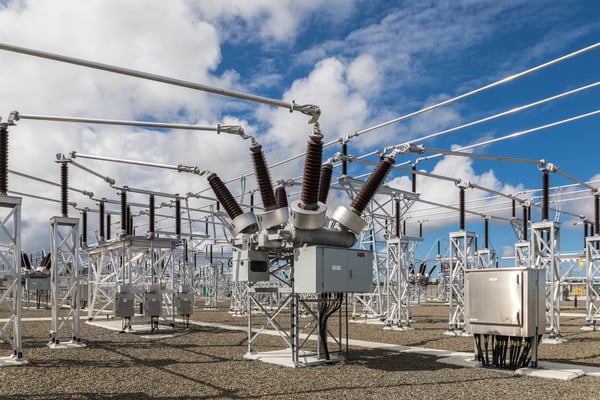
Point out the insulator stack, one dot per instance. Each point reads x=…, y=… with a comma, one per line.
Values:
x=84, y=227
x=124, y=211
x=525, y=220
x=439, y=248
x=224, y=196
x=545, y=195
x=597, y=213
x=64, y=187
x=263, y=177
x=129, y=221
x=404, y=227
x=281, y=197
x=420, y=229
x=252, y=202
x=101, y=220
x=344, y=162
x=397, y=217
x=585, y=234
x=312, y=173
x=370, y=187
x=3, y=159
x=206, y=225
x=462, y=209
x=107, y=226
x=325, y=182
x=414, y=179
x=185, y=251
x=178, y=217
x=486, y=229
x=514, y=208
x=151, y=214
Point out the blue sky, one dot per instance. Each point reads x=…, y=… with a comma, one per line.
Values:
x=362, y=62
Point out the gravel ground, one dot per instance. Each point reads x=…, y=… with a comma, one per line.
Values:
x=207, y=363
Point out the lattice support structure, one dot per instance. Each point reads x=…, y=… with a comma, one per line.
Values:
x=64, y=283
x=462, y=256
x=400, y=260
x=10, y=279
x=545, y=254
x=487, y=258
x=388, y=205
x=523, y=254
x=592, y=290
x=139, y=264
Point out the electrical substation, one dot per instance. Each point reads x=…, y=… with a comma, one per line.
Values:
x=273, y=251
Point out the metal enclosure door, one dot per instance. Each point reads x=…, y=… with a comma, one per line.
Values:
x=496, y=297
x=334, y=269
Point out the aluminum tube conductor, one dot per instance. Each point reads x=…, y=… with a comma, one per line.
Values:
x=323, y=237
x=308, y=109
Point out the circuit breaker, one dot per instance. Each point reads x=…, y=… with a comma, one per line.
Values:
x=250, y=265
x=321, y=269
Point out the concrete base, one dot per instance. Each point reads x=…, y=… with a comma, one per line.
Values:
x=546, y=370
x=284, y=358
x=142, y=327
x=66, y=345
x=398, y=328
x=12, y=361
x=368, y=321
x=457, y=333
x=554, y=340
x=588, y=328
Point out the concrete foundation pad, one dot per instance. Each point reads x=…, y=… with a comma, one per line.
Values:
x=368, y=321
x=12, y=362
x=141, y=327
x=284, y=358
x=398, y=328
x=66, y=345
x=457, y=333
x=553, y=340
x=561, y=374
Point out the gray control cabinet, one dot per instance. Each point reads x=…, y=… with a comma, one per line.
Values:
x=250, y=265
x=152, y=304
x=124, y=303
x=184, y=303
x=321, y=269
x=505, y=301
x=37, y=281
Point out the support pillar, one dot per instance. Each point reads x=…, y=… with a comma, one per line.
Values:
x=545, y=252
x=400, y=257
x=462, y=257
x=10, y=279
x=592, y=291
x=64, y=283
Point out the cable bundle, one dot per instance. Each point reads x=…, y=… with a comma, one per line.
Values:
x=508, y=352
